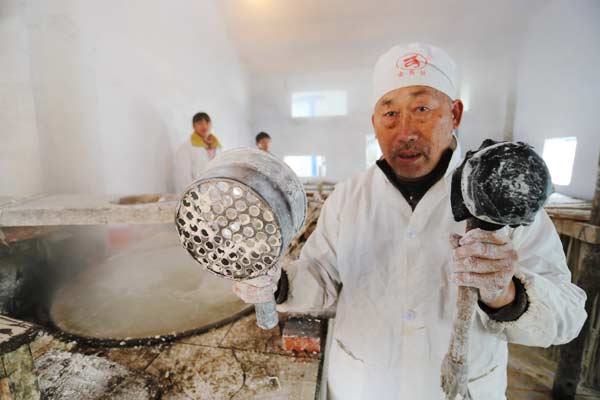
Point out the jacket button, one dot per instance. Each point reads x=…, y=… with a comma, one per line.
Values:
x=409, y=315
x=411, y=233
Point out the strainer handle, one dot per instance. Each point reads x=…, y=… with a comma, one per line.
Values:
x=266, y=314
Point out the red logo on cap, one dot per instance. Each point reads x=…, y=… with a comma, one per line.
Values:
x=411, y=62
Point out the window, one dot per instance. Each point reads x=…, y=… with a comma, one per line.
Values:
x=319, y=104
x=559, y=154
x=373, y=150
x=306, y=166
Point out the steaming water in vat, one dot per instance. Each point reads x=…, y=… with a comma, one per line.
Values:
x=152, y=289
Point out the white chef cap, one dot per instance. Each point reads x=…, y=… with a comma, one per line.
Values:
x=411, y=65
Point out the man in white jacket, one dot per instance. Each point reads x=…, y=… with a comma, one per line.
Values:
x=381, y=256
x=193, y=155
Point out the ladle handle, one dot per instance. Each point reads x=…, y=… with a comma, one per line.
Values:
x=266, y=314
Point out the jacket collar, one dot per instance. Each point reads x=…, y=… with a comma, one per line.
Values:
x=456, y=157
x=430, y=199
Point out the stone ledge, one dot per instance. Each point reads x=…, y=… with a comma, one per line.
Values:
x=80, y=209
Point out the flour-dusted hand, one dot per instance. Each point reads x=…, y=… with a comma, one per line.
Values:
x=485, y=260
x=258, y=290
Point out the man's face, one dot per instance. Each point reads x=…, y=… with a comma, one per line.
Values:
x=264, y=144
x=202, y=128
x=414, y=127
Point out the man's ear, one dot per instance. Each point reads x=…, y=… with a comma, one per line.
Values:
x=373, y=120
x=457, y=112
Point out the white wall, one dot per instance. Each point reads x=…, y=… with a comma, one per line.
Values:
x=19, y=147
x=114, y=86
x=95, y=96
x=528, y=74
x=317, y=45
x=559, y=87
x=342, y=139
x=65, y=96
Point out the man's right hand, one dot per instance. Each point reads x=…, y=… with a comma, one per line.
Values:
x=258, y=290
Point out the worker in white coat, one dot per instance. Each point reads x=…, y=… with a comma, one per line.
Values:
x=263, y=141
x=382, y=258
x=194, y=154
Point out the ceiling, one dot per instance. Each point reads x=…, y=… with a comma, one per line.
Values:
x=294, y=36
x=295, y=45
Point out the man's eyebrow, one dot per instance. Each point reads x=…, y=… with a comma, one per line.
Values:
x=419, y=93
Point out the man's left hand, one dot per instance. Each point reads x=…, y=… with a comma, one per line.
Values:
x=485, y=260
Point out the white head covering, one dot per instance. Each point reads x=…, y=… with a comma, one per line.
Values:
x=414, y=64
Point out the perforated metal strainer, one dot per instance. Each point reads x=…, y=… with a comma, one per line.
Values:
x=240, y=215
x=229, y=229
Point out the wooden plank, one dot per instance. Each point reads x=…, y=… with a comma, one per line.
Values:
x=5, y=393
x=15, y=333
x=571, y=355
x=568, y=374
x=9, y=235
x=560, y=200
x=17, y=377
x=561, y=206
x=589, y=371
x=573, y=214
x=579, y=230
x=595, y=220
x=583, y=205
x=22, y=381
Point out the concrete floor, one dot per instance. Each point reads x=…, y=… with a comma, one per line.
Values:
x=236, y=361
x=241, y=361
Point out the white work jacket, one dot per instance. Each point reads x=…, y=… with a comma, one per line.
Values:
x=395, y=308
x=189, y=162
